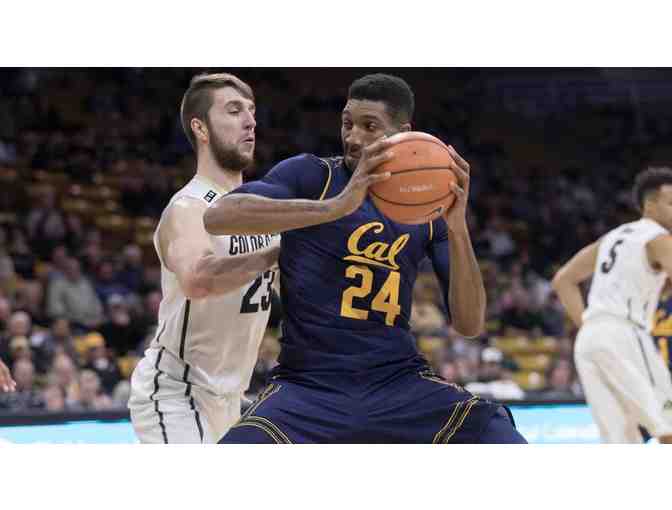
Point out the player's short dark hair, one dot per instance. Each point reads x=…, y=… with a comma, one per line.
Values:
x=197, y=100
x=391, y=90
x=648, y=182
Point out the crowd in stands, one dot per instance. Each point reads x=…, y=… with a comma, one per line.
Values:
x=89, y=158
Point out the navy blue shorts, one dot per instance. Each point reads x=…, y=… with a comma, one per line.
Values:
x=416, y=407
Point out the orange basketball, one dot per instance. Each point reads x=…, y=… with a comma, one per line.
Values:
x=419, y=189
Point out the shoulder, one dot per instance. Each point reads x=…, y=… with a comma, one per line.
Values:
x=301, y=162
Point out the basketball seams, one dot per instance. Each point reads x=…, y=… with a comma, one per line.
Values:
x=439, y=199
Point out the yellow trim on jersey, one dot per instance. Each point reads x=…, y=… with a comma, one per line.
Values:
x=438, y=380
x=212, y=184
x=326, y=186
x=431, y=230
x=662, y=347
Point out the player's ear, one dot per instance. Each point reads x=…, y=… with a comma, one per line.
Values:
x=199, y=129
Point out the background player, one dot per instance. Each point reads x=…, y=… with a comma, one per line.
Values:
x=188, y=386
x=349, y=370
x=625, y=380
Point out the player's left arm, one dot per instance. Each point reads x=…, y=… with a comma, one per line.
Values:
x=466, y=299
x=567, y=280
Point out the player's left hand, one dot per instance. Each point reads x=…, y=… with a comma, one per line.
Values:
x=456, y=216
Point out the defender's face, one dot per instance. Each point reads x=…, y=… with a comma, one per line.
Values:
x=231, y=125
x=362, y=123
x=662, y=206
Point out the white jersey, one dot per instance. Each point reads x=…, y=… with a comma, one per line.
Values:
x=624, y=283
x=213, y=342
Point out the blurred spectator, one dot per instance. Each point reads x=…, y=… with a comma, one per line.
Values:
x=46, y=224
x=131, y=273
x=122, y=332
x=65, y=375
x=19, y=329
x=121, y=394
x=58, y=340
x=23, y=256
x=494, y=379
x=101, y=362
x=26, y=397
x=149, y=317
x=561, y=382
x=90, y=396
x=74, y=298
x=5, y=314
x=54, y=398
x=106, y=283
x=7, y=274
x=30, y=299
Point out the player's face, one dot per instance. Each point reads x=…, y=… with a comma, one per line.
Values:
x=231, y=125
x=662, y=206
x=362, y=123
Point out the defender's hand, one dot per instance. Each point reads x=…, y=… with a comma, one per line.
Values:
x=7, y=384
x=456, y=216
x=374, y=155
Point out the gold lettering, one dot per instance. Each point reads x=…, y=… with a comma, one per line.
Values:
x=377, y=253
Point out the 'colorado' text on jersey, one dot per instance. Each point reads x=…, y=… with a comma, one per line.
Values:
x=347, y=285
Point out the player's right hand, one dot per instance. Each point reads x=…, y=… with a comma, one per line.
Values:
x=373, y=155
x=7, y=384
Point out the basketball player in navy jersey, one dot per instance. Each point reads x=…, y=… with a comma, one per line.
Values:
x=349, y=370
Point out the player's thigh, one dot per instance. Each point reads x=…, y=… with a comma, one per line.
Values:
x=423, y=408
x=287, y=412
x=501, y=429
x=609, y=411
x=167, y=421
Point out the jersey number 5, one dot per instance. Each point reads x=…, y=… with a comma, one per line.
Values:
x=608, y=265
x=386, y=301
x=247, y=306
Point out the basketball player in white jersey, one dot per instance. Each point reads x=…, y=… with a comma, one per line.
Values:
x=216, y=289
x=624, y=377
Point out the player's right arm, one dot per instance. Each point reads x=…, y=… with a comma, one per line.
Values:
x=278, y=203
x=186, y=250
x=567, y=280
x=7, y=384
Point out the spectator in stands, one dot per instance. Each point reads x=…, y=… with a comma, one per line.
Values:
x=7, y=274
x=30, y=299
x=149, y=317
x=91, y=398
x=58, y=259
x=5, y=314
x=54, y=398
x=46, y=225
x=25, y=397
x=121, y=394
x=99, y=360
x=495, y=380
x=106, y=282
x=22, y=255
x=561, y=382
x=65, y=375
x=131, y=273
x=58, y=340
x=74, y=298
x=121, y=331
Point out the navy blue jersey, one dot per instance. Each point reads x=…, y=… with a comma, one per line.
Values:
x=347, y=285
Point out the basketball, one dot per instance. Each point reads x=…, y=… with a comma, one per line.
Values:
x=419, y=189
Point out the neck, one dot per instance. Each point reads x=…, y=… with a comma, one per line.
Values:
x=224, y=178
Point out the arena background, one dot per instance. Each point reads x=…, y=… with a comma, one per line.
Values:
x=88, y=159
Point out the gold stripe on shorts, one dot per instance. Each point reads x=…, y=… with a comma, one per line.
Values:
x=470, y=403
x=267, y=426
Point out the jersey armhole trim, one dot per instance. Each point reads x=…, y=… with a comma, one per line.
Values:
x=326, y=185
x=431, y=230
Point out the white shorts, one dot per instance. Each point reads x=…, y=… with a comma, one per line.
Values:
x=624, y=378
x=168, y=410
